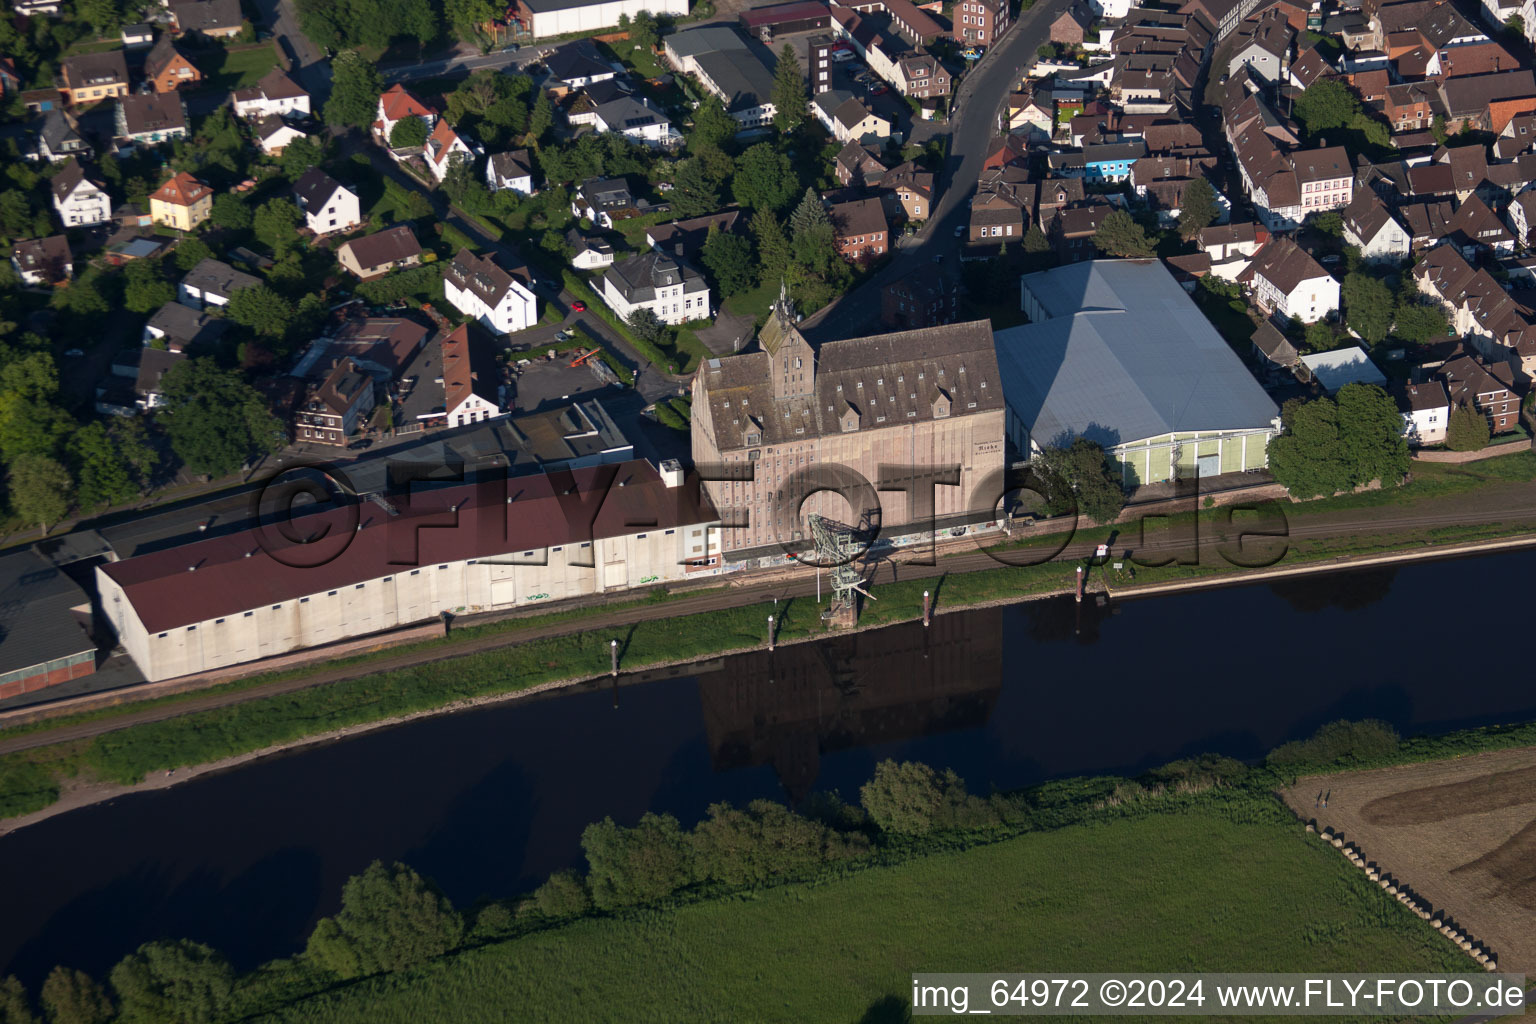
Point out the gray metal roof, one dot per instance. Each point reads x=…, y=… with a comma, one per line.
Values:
x=1124, y=355
x=36, y=625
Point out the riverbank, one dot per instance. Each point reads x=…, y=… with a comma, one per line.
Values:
x=169, y=757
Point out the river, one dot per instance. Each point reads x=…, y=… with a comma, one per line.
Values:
x=488, y=801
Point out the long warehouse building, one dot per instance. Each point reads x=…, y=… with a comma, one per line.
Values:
x=376, y=566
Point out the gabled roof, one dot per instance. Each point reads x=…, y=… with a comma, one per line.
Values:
x=515, y=164
x=387, y=246
x=315, y=188
x=480, y=275
x=144, y=113
x=1322, y=164
x=398, y=102
x=859, y=217
x=1277, y=348
x=107, y=68
x=1309, y=66
x=211, y=275
x=469, y=367
x=206, y=15
x=1236, y=233
x=1470, y=96
x=162, y=56
x=274, y=85
x=69, y=179
x=181, y=190
x=47, y=256
x=1283, y=264
x=576, y=59
x=638, y=277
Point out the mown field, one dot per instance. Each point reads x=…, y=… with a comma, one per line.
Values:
x=1192, y=890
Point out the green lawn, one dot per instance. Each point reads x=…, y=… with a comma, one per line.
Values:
x=1167, y=892
x=755, y=303
x=227, y=69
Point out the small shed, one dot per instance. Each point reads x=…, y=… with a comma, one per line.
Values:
x=1274, y=346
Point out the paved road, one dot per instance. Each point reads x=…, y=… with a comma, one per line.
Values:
x=977, y=103
x=1512, y=503
x=462, y=64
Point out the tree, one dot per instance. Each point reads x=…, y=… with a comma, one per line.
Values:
x=1367, y=306
x=564, y=894
x=773, y=253
x=1319, y=336
x=1419, y=322
x=30, y=422
x=693, y=194
x=729, y=258
x=40, y=490
x=105, y=16
x=231, y=212
x=1198, y=208
x=1330, y=223
x=1079, y=476
x=1437, y=129
x=643, y=31
x=74, y=997
x=907, y=798
x=101, y=471
x=1325, y=106
x=1035, y=241
x=391, y=918
x=809, y=215
x=296, y=158
x=355, y=88
x=190, y=252
x=262, y=310
x=542, y=117
x=145, y=288
x=1467, y=429
x=214, y=419
x=1335, y=444
x=1120, y=235
x=636, y=865
x=765, y=840
x=276, y=224
x=764, y=179
x=1514, y=25
x=173, y=982
x=712, y=127
x=789, y=94
x=15, y=1007
x=647, y=326
x=408, y=133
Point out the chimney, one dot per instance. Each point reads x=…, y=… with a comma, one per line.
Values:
x=672, y=473
x=679, y=250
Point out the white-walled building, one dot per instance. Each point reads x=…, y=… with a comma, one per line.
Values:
x=446, y=147
x=634, y=118
x=1370, y=227
x=511, y=170
x=1288, y=281
x=396, y=103
x=276, y=93
x=664, y=284
x=472, y=387
x=211, y=284
x=251, y=595
x=477, y=287
x=545, y=18
x=328, y=205
x=79, y=201
x=1426, y=412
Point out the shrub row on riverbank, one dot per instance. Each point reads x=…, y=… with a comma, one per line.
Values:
x=392, y=919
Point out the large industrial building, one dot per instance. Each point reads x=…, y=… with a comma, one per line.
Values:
x=377, y=565
x=868, y=410
x=1118, y=353
x=43, y=620
x=544, y=18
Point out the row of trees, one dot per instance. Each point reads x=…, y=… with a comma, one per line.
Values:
x=1333, y=445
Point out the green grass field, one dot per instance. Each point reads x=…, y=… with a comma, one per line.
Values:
x=237, y=68
x=1165, y=892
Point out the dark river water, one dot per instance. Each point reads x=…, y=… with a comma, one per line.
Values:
x=488, y=802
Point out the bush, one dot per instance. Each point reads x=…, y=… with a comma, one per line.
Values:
x=1337, y=742
x=564, y=895
x=390, y=918
x=636, y=865
x=763, y=842
x=909, y=797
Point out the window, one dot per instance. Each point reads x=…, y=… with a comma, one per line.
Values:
x=249, y=614
x=415, y=572
x=331, y=594
x=162, y=636
x=276, y=607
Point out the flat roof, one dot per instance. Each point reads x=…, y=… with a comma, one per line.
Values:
x=36, y=623
x=776, y=14
x=1123, y=355
x=1343, y=366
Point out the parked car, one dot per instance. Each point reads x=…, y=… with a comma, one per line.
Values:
x=358, y=446
x=880, y=90
x=1329, y=260
x=578, y=306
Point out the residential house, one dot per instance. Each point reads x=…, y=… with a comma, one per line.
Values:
x=1072, y=231
x=920, y=300
x=856, y=165
x=1475, y=227
x=379, y=253
x=979, y=22
x=1264, y=47
x=1487, y=387
x=60, y=139
x=1487, y=102
x=43, y=262
x=1371, y=228
x=1003, y=206
x=1522, y=218
x=739, y=72
x=576, y=64
x=1274, y=347
x=1325, y=177
x=604, y=200
x=1428, y=223
x=1308, y=69
x=686, y=238
x=1287, y=281
x=211, y=284
x=660, y=282
x=328, y=205
x=334, y=411
x=635, y=118
x=1071, y=26
x=1231, y=247
x=512, y=170
x=275, y=94
x=1005, y=150
x=1111, y=162
x=92, y=77
x=1409, y=107
x=447, y=147
x=218, y=19
x=922, y=76
x=154, y=364
x=181, y=203
x=913, y=189
x=138, y=37
x=178, y=328
x=1496, y=325
x=79, y=201
x=849, y=118
x=1028, y=114
x=478, y=288
x=274, y=134
x=151, y=118
x=860, y=229
x=1056, y=194
x=589, y=252
x=1426, y=411
x=396, y=103
x=167, y=69
x=472, y=391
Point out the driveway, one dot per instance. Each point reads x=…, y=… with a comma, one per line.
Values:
x=973, y=123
